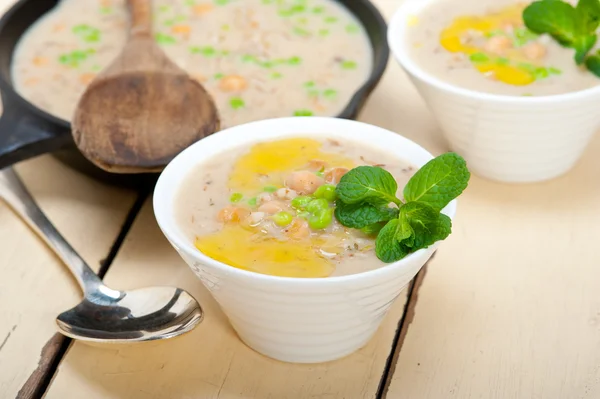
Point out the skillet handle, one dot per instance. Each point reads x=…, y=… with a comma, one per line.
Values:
x=24, y=135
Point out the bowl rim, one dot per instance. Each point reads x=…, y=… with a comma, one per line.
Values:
x=292, y=127
x=380, y=60
x=398, y=44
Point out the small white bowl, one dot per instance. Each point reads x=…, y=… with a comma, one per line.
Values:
x=504, y=138
x=293, y=319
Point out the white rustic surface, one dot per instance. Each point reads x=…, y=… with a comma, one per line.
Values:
x=509, y=308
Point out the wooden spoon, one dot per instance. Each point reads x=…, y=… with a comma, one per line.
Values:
x=142, y=110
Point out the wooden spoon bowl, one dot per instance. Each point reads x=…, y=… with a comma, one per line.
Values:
x=142, y=110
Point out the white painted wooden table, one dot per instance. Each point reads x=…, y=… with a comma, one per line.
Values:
x=508, y=308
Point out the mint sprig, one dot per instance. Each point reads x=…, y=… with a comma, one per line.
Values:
x=366, y=200
x=572, y=27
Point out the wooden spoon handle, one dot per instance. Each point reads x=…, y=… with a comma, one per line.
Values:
x=141, y=17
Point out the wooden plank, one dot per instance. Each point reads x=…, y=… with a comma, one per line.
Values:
x=34, y=285
x=210, y=362
x=510, y=306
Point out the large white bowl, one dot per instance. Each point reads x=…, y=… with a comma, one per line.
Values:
x=293, y=319
x=504, y=138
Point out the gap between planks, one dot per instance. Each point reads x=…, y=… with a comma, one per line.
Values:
x=403, y=326
x=55, y=349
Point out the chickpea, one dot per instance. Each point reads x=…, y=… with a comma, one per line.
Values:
x=286, y=193
x=256, y=217
x=334, y=175
x=86, y=78
x=498, y=45
x=233, y=83
x=304, y=182
x=298, y=229
x=232, y=214
x=271, y=207
x=264, y=197
x=534, y=51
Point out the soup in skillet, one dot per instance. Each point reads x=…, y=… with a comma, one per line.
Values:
x=258, y=58
x=270, y=208
x=483, y=45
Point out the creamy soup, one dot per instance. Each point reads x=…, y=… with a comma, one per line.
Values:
x=483, y=45
x=270, y=208
x=258, y=58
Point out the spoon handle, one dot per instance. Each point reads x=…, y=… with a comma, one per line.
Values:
x=18, y=197
x=141, y=17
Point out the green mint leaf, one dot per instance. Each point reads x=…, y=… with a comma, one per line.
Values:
x=387, y=248
x=554, y=17
x=583, y=46
x=588, y=13
x=358, y=216
x=573, y=27
x=373, y=229
x=370, y=184
x=439, y=181
x=405, y=231
x=425, y=223
x=593, y=63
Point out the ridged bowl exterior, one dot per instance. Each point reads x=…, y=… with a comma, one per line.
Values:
x=306, y=323
x=301, y=320
x=503, y=138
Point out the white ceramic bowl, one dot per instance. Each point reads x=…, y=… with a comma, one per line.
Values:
x=504, y=138
x=293, y=319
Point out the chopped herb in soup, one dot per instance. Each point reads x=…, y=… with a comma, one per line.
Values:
x=302, y=207
x=485, y=46
x=258, y=58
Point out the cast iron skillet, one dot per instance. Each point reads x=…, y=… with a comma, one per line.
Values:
x=26, y=131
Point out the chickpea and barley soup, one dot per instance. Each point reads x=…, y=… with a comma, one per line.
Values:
x=259, y=59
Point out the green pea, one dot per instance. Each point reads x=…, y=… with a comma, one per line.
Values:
x=270, y=189
x=161, y=38
x=541, y=73
x=282, y=218
x=554, y=71
x=317, y=205
x=303, y=215
x=479, y=57
x=326, y=191
x=252, y=201
x=301, y=202
x=300, y=31
x=321, y=219
x=294, y=60
x=236, y=197
x=330, y=93
x=352, y=28
x=348, y=64
x=303, y=112
x=236, y=103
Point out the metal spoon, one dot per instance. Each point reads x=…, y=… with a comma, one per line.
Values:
x=105, y=315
